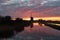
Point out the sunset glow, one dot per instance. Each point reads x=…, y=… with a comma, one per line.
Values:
x=29, y=18
x=45, y=18
x=52, y=18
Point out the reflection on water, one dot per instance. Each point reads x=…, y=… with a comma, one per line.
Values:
x=38, y=32
x=35, y=24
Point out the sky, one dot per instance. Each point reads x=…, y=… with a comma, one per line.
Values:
x=24, y=8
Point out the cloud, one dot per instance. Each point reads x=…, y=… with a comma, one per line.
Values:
x=40, y=7
x=20, y=2
x=51, y=3
x=32, y=2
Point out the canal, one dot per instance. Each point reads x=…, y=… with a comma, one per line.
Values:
x=38, y=32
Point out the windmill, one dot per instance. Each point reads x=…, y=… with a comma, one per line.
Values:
x=31, y=20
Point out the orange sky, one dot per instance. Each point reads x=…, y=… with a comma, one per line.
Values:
x=45, y=14
x=37, y=15
x=44, y=18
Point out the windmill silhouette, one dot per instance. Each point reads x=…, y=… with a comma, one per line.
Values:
x=31, y=20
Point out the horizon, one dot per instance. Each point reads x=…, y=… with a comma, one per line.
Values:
x=44, y=18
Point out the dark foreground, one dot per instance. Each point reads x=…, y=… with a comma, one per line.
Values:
x=8, y=26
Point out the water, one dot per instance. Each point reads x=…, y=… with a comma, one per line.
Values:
x=38, y=32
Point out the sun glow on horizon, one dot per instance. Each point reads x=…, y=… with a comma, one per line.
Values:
x=29, y=18
x=44, y=18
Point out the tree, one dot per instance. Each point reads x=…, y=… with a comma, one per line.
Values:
x=7, y=18
x=18, y=19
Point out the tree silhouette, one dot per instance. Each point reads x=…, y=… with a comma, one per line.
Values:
x=7, y=18
x=18, y=19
